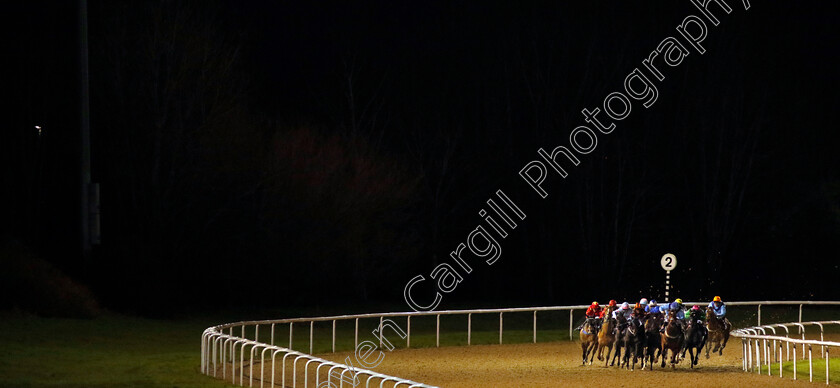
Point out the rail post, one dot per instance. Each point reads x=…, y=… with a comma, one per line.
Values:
x=408, y=334
x=311, y=330
x=827, y=360
x=571, y=318
x=291, y=328
x=780, y=359
x=743, y=355
x=800, y=313
x=437, y=331
x=766, y=355
x=469, y=329
x=535, y=326
x=759, y=315
x=500, y=328
x=749, y=355
x=333, y=336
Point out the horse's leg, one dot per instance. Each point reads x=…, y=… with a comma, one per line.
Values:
x=607, y=358
x=708, y=347
x=662, y=352
x=626, y=357
x=617, y=355
x=592, y=352
x=654, y=355
x=587, y=351
x=674, y=359
x=725, y=340
x=583, y=346
x=635, y=355
x=600, y=351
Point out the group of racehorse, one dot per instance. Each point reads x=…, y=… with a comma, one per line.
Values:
x=643, y=339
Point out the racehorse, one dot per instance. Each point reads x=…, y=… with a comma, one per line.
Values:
x=606, y=337
x=695, y=338
x=621, y=327
x=718, y=332
x=673, y=340
x=589, y=339
x=634, y=343
x=653, y=347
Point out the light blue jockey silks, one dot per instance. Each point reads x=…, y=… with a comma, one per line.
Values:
x=720, y=311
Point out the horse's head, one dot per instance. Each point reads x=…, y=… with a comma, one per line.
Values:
x=710, y=314
x=695, y=315
x=653, y=322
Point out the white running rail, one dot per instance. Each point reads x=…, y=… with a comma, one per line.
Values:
x=756, y=347
x=220, y=347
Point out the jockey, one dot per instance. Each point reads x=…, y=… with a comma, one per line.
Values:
x=611, y=305
x=679, y=311
x=653, y=308
x=719, y=308
x=678, y=308
x=594, y=310
x=623, y=313
x=697, y=315
x=643, y=302
x=698, y=312
x=638, y=312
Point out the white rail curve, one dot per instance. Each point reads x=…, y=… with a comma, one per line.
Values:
x=754, y=346
x=219, y=349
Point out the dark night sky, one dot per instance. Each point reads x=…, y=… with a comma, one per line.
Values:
x=262, y=164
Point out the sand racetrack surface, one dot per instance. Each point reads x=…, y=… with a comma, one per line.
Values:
x=557, y=364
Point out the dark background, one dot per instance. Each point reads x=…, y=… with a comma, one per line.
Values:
x=287, y=154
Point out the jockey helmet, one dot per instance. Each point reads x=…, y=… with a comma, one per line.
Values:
x=595, y=304
x=638, y=305
x=612, y=302
x=625, y=306
x=643, y=302
x=716, y=299
x=696, y=308
x=653, y=302
x=678, y=300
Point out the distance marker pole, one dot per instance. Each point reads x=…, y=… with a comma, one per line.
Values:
x=668, y=262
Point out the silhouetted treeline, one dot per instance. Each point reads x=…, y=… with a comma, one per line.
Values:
x=279, y=154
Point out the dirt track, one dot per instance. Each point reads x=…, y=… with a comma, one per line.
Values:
x=558, y=365
x=555, y=364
